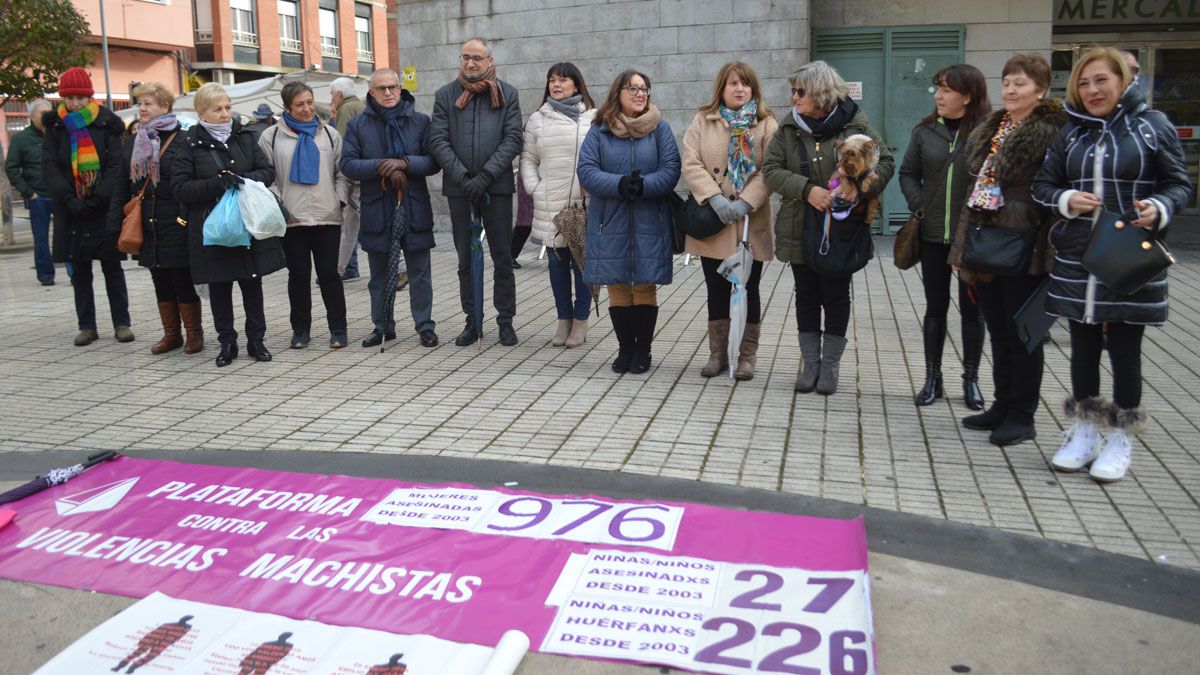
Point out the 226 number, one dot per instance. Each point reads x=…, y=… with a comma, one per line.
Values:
x=777, y=661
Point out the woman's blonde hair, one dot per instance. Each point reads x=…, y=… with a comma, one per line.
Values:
x=159, y=93
x=208, y=95
x=1116, y=64
x=822, y=83
x=748, y=77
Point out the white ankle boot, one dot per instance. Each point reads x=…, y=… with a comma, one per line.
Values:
x=1084, y=438
x=1116, y=456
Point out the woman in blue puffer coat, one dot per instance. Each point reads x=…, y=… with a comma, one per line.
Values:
x=1116, y=154
x=629, y=164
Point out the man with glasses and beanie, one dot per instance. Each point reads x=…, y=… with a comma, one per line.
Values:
x=387, y=150
x=477, y=133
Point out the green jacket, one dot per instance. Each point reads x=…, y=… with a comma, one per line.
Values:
x=921, y=179
x=351, y=106
x=24, y=163
x=784, y=174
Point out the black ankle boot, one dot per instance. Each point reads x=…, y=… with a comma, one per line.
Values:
x=972, y=339
x=228, y=353
x=934, y=331
x=622, y=321
x=258, y=351
x=986, y=421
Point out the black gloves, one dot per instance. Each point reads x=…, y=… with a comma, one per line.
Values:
x=229, y=179
x=631, y=187
x=476, y=187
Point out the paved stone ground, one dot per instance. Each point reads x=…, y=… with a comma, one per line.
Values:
x=534, y=403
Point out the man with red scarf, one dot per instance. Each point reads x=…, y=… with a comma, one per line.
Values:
x=81, y=163
x=475, y=137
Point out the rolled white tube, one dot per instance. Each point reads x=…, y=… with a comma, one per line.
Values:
x=508, y=653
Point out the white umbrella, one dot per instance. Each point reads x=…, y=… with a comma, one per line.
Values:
x=736, y=268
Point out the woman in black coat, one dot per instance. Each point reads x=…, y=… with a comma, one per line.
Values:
x=218, y=150
x=149, y=156
x=81, y=163
x=1117, y=155
x=1004, y=153
x=935, y=183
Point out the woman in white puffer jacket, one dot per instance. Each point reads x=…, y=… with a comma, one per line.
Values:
x=553, y=135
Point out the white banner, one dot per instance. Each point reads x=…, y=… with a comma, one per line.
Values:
x=161, y=634
x=710, y=616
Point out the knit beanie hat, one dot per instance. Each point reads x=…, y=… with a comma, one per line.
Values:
x=75, y=82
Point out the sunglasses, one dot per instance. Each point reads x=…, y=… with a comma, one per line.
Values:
x=798, y=93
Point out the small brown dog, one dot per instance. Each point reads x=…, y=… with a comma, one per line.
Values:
x=858, y=155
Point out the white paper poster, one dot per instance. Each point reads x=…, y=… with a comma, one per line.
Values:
x=161, y=634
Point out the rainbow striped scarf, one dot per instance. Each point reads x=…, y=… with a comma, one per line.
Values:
x=85, y=161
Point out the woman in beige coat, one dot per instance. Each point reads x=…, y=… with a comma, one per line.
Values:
x=722, y=152
x=550, y=155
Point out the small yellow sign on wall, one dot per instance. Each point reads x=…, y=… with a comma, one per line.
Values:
x=408, y=78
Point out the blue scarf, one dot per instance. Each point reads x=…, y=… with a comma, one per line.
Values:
x=306, y=160
x=391, y=117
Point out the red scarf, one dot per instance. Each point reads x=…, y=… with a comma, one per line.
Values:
x=473, y=88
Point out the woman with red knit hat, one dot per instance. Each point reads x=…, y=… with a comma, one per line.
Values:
x=81, y=163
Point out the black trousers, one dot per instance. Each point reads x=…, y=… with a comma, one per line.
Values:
x=1124, y=353
x=719, y=290
x=220, y=299
x=1017, y=373
x=306, y=246
x=498, y=228
x=114, y=285
x=816, y=293
x=174, y=284
x=936, y=277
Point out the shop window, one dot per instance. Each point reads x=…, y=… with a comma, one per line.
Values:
x=1176, y=89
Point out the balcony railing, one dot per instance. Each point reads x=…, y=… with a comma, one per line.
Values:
x=241, y=37
x=204, y=37
x=290, y=45
x=365, y=55
x=330, y=50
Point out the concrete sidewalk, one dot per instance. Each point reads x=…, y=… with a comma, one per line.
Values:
x=946, y=597
x=867, y=445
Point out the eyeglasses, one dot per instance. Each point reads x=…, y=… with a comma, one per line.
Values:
x=798, y=93
x=634, y=91
x=468, y=58
x=387, y=89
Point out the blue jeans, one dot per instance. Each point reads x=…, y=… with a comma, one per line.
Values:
x=40, y=212
x=561, y=267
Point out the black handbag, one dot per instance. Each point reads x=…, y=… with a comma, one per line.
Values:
x=999, y=250
x=835, y=248
x=1033, y=323
x=697, y=220
x=1125, y=257
x=678, y=237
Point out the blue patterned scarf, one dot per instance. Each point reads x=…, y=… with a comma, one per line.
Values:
x=306, y=160
x=741, y=145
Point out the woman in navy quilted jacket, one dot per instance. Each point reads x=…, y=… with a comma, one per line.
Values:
x=629, y=164
x=1115, y=154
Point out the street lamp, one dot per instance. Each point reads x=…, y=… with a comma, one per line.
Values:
x=104, y=51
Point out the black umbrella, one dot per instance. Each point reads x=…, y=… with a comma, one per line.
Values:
x=54, y=477
x=395, y=255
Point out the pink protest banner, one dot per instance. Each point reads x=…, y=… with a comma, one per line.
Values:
x=451, y=561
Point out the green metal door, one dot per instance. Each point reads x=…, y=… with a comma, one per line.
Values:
x=890, y=69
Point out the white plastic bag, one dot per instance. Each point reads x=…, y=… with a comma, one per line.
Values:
x=260, y=211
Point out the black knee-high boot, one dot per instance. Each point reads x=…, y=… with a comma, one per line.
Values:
x=972, y=339
x=935, y=340
x=623, y=326
x=646, y=320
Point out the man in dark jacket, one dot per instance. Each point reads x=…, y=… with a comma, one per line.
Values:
x=389, y=143
x=476, y=136
x=24, y=168
x=264, y=118
x=81, y=163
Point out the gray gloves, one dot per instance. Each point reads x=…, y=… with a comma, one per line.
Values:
x=728, y=211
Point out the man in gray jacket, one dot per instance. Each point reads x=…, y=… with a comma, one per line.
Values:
x=475, y=136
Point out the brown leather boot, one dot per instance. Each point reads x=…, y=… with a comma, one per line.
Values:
x=748, y=353
x=169, y=313
x=718, y=346
x=194, y=325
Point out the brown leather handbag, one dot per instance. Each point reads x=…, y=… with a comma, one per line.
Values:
x=131, y=238
x=906, y=250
